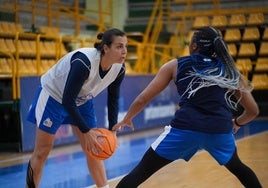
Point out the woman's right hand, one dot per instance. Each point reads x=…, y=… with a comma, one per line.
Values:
x=91, y=140
x=123, y=123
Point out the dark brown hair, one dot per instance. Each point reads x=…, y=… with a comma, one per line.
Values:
x=107, y=38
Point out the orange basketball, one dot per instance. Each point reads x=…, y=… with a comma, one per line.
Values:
x=109, y=145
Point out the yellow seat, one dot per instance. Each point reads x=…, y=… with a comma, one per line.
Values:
x=185, y=51
x=22, y=69
x=32, y=46
x=5, y=67
x=251, y=34
x=262, y=64
x=10, y=45
x=263, y=48
x=3, y=45
x=10, y=28
x=219, y=21
x=129, y=69
x=237, y=20
x=189, y=36
x=260, y=81
x=28, y=48
x=232, y=35
x=201, y=21
x=19, y=28
x=63, y=50
x=244, y=64
x=50, y=48
x=51, y=63
x=31, y=66
x=5, y=30
x=255, y=19
x=232, y=49
x=52, y=31
x=247, y=49
x=265, y=34
x=43, y=66
x=24, y=48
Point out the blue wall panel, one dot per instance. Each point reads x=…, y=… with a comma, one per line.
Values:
x=158, y=112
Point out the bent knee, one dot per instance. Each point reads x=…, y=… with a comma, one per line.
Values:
x=41, y=153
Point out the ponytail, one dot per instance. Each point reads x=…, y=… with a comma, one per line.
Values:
x=224, y=73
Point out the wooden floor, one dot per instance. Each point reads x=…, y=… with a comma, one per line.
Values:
x=202, y=171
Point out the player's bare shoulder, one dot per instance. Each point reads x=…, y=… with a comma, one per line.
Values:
x=170, y=67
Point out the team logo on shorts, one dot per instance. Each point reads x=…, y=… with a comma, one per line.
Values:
x=47, y=122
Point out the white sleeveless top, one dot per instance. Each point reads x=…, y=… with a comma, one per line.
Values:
x=55, y=79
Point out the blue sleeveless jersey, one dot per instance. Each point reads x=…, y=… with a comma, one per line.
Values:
x=206, y=110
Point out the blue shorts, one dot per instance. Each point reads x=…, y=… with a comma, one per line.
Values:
x=49, y=115
x=176, y=144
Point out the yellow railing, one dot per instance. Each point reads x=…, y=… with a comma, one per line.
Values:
x=56, y=12
x=13, y=73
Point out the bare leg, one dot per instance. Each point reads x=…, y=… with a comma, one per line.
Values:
x=96, y=167
x=43, y=145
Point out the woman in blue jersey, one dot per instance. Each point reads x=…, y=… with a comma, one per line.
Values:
x=206, y=81
x=65, y=97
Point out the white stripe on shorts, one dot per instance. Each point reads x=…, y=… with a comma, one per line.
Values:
x=161, y=137
x=41, y=105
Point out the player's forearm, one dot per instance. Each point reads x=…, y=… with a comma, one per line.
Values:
x=251, y=109
x=136, y=107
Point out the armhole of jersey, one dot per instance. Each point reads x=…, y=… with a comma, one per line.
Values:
x=122, y=70
x=83, y=59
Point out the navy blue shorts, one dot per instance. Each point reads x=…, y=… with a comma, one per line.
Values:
x=176, y=144
x=49, y=115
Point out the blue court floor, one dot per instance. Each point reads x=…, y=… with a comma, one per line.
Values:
x=69, y=170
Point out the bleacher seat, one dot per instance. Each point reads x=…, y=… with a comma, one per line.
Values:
x=10, y=45
x=5, y=66
x=265, y=34
x=251, y=34
x=129, y=69
x=201, y=21
x=25, y=48
x=255, y=19
x=247, y=49
x=219, y=21
x=46, y=64
x=232, y=49
x=51, y=31
x=63, y=50
x=22, y=69
x=10, y=28
x=48, y=48
x=263, y=49
x=31, y=66
x=237, y=20
x=185, y=51
x=260, y=81
x=189, y=36
x=232, y=35
x=3, y=46
x=262, y=64
x=244, y=64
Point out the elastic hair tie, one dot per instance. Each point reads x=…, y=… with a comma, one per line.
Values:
x=218, y=37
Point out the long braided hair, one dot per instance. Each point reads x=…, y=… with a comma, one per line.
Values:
x=225, y=75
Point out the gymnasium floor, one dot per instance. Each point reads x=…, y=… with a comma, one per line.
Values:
x=66, y=166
